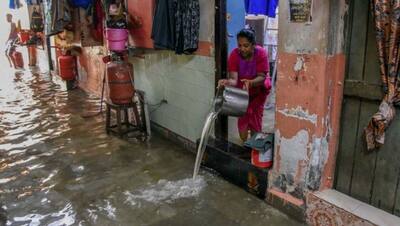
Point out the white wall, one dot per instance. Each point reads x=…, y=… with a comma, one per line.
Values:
x=186, y=82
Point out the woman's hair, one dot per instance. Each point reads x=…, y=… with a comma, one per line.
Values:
x=247, y=33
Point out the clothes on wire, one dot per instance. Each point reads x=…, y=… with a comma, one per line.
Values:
x=14, y=4
x=163, y=31
x=33, y=2
x=176, y=25
x=98, y=17
x=85, y=4
x=261, y=7
x=58, y=17
x=36, y=23
x=187, y=21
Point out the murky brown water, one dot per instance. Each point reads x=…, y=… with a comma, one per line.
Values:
x=57, y=168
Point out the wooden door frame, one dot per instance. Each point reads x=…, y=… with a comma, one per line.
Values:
x=221, y=61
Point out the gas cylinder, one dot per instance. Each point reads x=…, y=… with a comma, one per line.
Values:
x=32, y=55
x=67, y=67
x=120, y=82
x=18, y=60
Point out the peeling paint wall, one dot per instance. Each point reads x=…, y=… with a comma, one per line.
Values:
x=308, y=101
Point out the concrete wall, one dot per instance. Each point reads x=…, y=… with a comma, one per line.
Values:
x=308, y=100
x=185, y=81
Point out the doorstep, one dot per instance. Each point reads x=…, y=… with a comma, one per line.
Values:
x=340, y=209
x=232, y=162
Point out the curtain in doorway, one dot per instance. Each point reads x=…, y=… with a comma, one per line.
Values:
x=387, y=23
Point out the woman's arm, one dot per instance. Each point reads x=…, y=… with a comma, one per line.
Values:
x=231, y=81
x=259, y=80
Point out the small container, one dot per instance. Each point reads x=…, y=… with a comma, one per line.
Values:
x=261, y=160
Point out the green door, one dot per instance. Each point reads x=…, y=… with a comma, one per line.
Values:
x=374, y=177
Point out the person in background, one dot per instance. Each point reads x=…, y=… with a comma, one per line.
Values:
x=12, y=37
x=248, y=69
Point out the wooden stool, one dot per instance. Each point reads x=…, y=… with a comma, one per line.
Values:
x=118, y=128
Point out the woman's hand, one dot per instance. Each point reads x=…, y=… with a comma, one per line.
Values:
x=223, y=82
x=247, y=84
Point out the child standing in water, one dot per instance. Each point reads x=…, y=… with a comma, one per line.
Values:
x=12, y=37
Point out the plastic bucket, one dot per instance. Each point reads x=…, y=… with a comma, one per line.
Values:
x=261, y=160
x=116, y=39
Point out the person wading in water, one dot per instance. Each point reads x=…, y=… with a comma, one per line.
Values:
x=12, y=37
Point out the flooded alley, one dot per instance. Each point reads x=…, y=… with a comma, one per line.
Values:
x=58, y=168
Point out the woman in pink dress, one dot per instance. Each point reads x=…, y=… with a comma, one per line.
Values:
x=248, y=68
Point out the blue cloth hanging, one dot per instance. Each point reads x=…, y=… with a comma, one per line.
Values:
x=11, y=5
x=261, y=7
x=14, y=4
x=32, y=2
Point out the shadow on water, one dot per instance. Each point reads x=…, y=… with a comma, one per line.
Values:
x=57, y=168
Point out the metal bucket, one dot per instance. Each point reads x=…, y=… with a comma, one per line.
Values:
x=232, y=102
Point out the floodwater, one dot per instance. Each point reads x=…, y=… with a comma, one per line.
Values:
x=57, y=168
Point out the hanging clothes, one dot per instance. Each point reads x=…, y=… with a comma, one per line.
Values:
x=14, y=4
x=36, y=23
x=187, y=25
x=58, y=16
x=262, y=7
x=163, y=31
x=33, y=2
x=98, y=18
x=81, y=3
x=176, y=25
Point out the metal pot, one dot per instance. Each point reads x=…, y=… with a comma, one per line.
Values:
x=232, y=102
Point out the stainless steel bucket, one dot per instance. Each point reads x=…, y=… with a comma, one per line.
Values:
x=232, y=102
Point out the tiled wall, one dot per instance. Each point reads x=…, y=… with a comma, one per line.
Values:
x=185, y=81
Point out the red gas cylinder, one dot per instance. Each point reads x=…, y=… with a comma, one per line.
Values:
x=18, y=60
x=32, y=55
x=67, y=67
x=120, y=82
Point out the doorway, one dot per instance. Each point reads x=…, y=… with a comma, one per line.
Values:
x=263, y=19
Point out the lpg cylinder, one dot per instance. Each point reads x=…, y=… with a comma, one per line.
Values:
x=120, y=82
x=67, y=67
x=32, y=55
x=18, y=60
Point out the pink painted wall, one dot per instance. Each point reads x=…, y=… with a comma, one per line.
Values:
x=308, y=101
